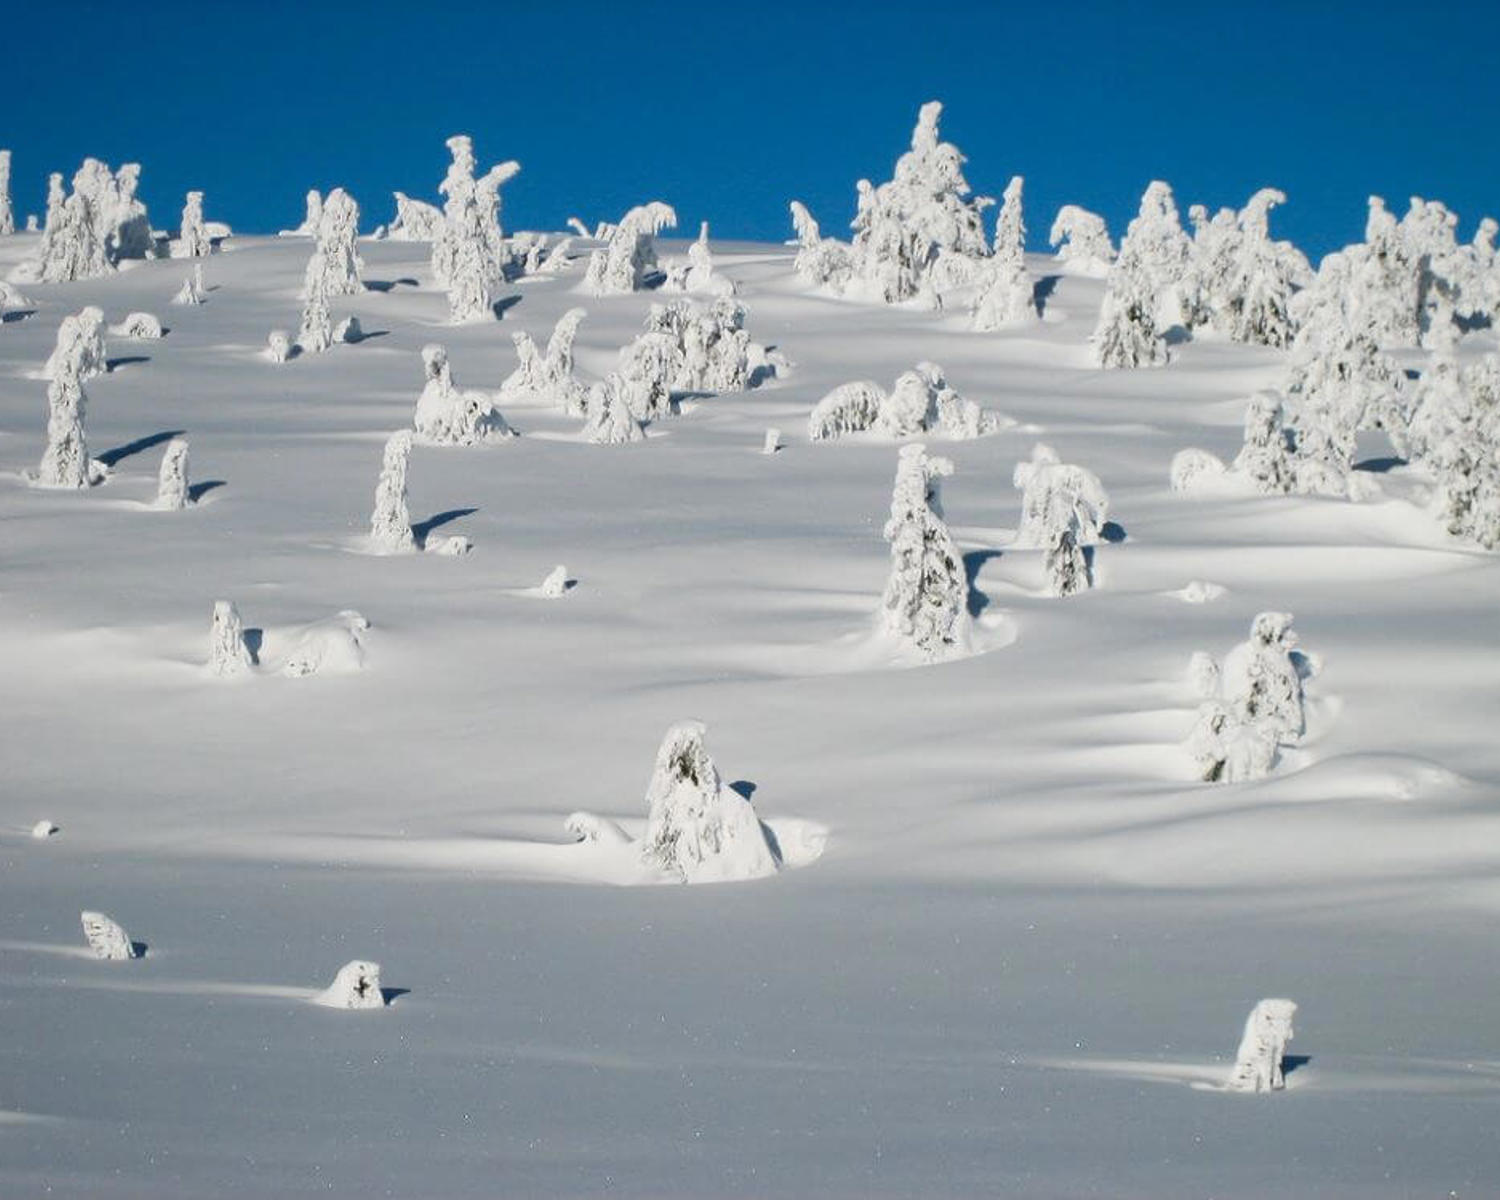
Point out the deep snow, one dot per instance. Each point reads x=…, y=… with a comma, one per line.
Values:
x=1028, y=936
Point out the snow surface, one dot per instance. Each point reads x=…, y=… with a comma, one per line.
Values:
x=1020, y=937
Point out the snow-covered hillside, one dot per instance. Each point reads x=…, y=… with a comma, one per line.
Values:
x=1012, y=939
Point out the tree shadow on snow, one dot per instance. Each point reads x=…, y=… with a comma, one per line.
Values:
x=139, y=949
x=110, y=457
x=974, y=562
x=386, y=285
x=18, y=314
x=1291, y=1062
x=1177, y=336
x=744, y=787
x=420, y=529
x=1112, y=533
x=391, y=995
x=366, y=335
x=254, y=638
x=197, y=491
x=1379, y=466
x=503, y=304
x=1042, y=292
x=125, y=360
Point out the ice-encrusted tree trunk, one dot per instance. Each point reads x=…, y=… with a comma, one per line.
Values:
x=390, y=522
x=7, y=214
x=696, y=828
x=629, y=258
x=172, y=490
x=228, y=654
x=926, y=601
x=192, y=236
x=1258, y=1063
x=1081, y=240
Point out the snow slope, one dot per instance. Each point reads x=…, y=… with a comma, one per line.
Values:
x=1019, y=933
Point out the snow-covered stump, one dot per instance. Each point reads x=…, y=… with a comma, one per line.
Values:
x=356, y=986
x=556, y=583
x=1258, y=1063
x=447, y=416
x=926, y=601
x=697, y=829
x=192, y=235
x=228, y=655
x=172, y=491
x=390, y=522
x=772, y=443
x=192, y=292
x=105, y=937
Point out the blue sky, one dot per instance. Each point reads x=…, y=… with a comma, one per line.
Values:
x=727, y=111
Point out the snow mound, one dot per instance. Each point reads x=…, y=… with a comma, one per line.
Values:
x=356, y=986
x=334, y=646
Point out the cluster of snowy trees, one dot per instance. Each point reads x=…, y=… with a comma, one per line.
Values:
x=334, y=269
x=695, y=274
x=921, y=402
x=1251, y=705
x=92, y=229
x=447, y=415
x=1064, y=508
x=469, y=255
x=546, y=377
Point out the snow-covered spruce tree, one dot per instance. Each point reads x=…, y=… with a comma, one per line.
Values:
x=1265, y=458
x=127, y=228
x=629, y=258
x=1262, y=682
x=1006, y=293
x=390, y=522
x=822, y=262
x=1258, y=1062
x=697, y=829
x=701, y=276
x=228, y=654
x=1332, y=395
x=313, y=215
x=65, y=462
x=448, y=416
x=646, y=368
x=416, y=221
x=172, y=490
x=356, y=987
x=1206, y=741
x=1455, y=436
x=337, y=255
x=468, y=252
x=315, y=330
x=7, y=215
x=1127, y=333
x=547, y=378
x=71, y=246
x=926, y=602
x=609, y=420
x=1253, y=302
x=80, y=349
x=849, y=408
x=1387, y=280
x=1051, y=489
x=106, y=938
x=143, y=325
x=1081, y=240
x=192, y=236
x=922, y=401
x=1065, y=565
x=1161, y=251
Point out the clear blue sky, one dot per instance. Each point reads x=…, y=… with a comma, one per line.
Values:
x=728, y=110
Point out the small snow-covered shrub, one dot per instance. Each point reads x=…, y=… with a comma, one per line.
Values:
x=44, y=829
x=547, y=378
x=628, y=260
x=192, y=236
x=334, y=646
x=447, y=416
x=279, y=346
x=609, y=420
x=922, y=401
x=1081, y=240
x=697, y=829
x=172, y=490
x=696, y=274
x=356, y=986
x=772, y=443
x=1052, y=491
x=1258, y=1062
x=192, y=292
x=141, y=325
x=228, y=655
x=1192, y=466
x=926, y=601
x=106, y=938
x=416, y=221
x=390, y=522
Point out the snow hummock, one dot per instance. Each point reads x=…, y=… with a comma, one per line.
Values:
x=356, y=986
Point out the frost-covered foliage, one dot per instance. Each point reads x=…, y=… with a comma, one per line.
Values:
x=7, y=214
x=1454, y=435
x=312, y=218
x=416, y=221
x=106, y=938
x=547, y=378
x=390, y=522
x=696, y=273
x=315, y=330
x=356, y=986
x=1081, y=239
x=468, y=253
x=1253, y=703
x=192, y=291
x=628, y=260
x=89, y=232
x=228, y=654
x=1258, y=1062
x=1265, y=458
x=697, y=830
x=1055, y=494
x=1127, y=334
x=192, y=235
x=1238, y=279
x=610, y=421
x=446, y=415
x=80, y=349
x=1006, y=293
x=712, y=350
x=11, y=298
x=172, y=491
x=914, y=236
x=922, y=401
x=65, y=462
x=335, y=268
x=926, y=601
x=142, y=325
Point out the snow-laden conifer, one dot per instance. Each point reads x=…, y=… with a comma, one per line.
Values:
x=926, y=601
x=697, y=829
x=65, y=462
x=449, y=416
x=609, y=419
x=80, y=349
x=1258, y=1062
x=356, y=986
x=629, y=258
x=172, y=491
x=921, y=402
x=1006, y=291
x=1127, y=334
x=416, y=221
x=7, y=214
x=547, y=377
x=228, y=655
x=1051, y=490
x=143, y=325
x=390, y=522
x=556, y=583
x=1262, y=682
x=192, y=235
x=1081, y=239
x=192, y=292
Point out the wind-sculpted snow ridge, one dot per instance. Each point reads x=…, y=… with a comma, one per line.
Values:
x=922, y=402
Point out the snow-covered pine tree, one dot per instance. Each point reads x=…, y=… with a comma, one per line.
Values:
x=1081, y=240
x=1065, y=566
x=106, y=938
x=416, y=221
x=192, y=235
x=547, y=378
x=228, y=654
x=337, y=252
x=1006, y=293
x=65, y=462
x=1127, y=334
x=80, y=349
x=1265, y=458
x=697, y=829
x=926, y=601
x=172, y=490
x=609, y=420
x=1261, y=680
x=1050, y=489
x=390, y=522
x=629, y=257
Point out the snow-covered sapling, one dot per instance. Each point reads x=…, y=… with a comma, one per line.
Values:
x=1262, y=680
x=547, y=378
x=106, y=938
x=1192, y=467
x=228, y=654
x=1265, y=458
x=141, y=325
x=172, y=491
x=192, y=236
x=628, y=260
x=1050, y=491
x=1006, y=292
x=356, y=986
x=65, y=462
x=556, y=583
x=192, y=292
x=1258, y=1063
x=80, y=351
x=1065, y=564
x=1082, y=240
x=337, y=254
x=772, y=443
x=447, y=416
x=390, y=523
x=279, y=346
x=609, y=419
x=926, y=601
x=922, y=401
x=697, y=829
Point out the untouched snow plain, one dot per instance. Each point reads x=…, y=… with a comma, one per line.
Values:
x=1020, y=941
